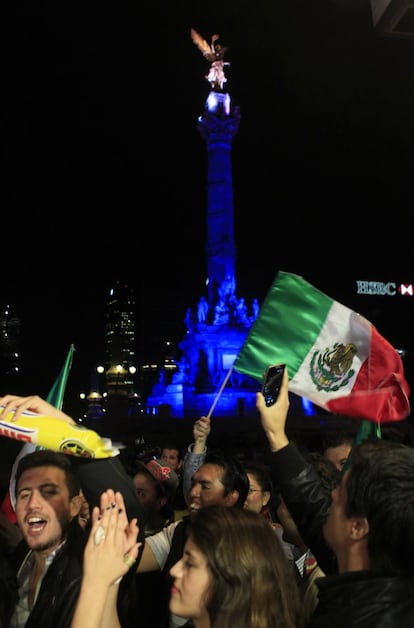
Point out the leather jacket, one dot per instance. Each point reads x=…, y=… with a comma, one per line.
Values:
x=59, y=590
x=359, y=599
x=56, y=600
x=306, y=499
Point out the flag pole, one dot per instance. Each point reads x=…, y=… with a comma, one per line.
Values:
x=217, y=397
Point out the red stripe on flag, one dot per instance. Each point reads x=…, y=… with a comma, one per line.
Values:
x=381, y=391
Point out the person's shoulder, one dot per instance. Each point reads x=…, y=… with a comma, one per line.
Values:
x=167, y=532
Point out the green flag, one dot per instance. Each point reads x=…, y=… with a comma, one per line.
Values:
x=57, y=392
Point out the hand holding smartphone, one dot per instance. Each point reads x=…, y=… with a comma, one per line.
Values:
x=272, y=382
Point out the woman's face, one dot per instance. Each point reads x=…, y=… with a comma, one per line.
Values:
x=256, y=498
x=192, y=579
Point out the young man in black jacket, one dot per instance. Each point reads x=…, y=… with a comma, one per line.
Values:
x=362, y=533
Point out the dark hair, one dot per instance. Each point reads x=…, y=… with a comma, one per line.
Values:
x=252, y=584
x=234, y=477
x=175, y=446
x=263, y=477
x=326, y=469
x=48, y=458
x=380, y=487
x=261, y=474
x=337, y=438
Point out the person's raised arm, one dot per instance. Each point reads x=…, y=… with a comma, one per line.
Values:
x=306, y=499
x=17, y=405
x=147, y=560
x=273, y=418
x=110, y=552
x=201, y=432
x=196, y=452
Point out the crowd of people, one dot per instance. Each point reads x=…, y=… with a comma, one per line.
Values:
x=206, y=539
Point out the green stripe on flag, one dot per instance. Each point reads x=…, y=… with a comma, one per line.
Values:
x=57, y=392
x=288, y=324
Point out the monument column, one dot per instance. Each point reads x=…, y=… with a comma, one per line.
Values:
x=218, y=125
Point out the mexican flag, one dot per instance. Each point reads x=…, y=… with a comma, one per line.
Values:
x=334, y=356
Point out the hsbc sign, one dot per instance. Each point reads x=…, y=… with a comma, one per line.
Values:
x=389, y=289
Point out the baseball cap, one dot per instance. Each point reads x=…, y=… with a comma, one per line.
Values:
x=167, y=477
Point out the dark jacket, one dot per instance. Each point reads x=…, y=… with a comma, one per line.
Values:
x=8, y=588
x=307, y=500
x=59, y=590
x=359, y=599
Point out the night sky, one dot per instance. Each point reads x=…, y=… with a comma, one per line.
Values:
x=104, y=172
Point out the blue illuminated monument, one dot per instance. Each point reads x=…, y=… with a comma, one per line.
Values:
x=217, y=327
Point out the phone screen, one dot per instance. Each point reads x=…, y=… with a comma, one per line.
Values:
x=272, y=383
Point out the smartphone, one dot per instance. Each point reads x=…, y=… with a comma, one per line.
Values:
x=272, y=382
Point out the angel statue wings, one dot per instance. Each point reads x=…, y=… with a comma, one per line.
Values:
x=214, y=53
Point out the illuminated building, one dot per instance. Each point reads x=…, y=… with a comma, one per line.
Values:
x=10, y=355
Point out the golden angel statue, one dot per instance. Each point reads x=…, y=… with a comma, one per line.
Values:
x=215, y=54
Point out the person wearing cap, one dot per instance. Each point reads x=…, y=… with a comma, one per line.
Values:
x=155, y=485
